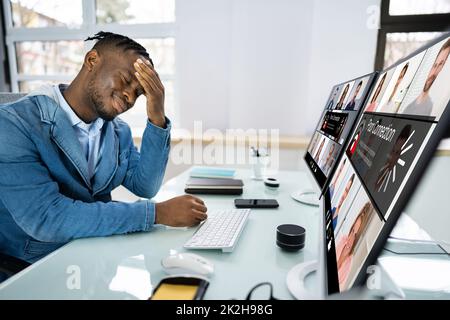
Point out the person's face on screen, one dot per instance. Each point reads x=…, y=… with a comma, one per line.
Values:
x=354, y=233
x=399, y=80
x=346, y=192
x=330, y=153
x=314, y=142
x=341, y=167
x=334, y=95
x=344, y=94
x=335, y=92
x=358, y=88
x=436, y=68
x=393, y=156
x=378, y=90
x=320, y=147
x=396, y=152
x=113, y=87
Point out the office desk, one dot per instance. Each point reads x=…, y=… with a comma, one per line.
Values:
x=127, y=266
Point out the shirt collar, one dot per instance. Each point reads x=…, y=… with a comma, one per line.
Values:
x=73, y=118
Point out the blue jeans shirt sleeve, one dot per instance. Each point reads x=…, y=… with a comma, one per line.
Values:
x=32, y=197
x=146, y=168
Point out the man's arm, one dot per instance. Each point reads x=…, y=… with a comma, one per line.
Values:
x=145, y=174
x=32, y=196
x=146, y=168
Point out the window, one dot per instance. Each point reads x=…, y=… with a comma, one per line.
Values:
x=406, y=25
x=49, y=13
x=45, y=41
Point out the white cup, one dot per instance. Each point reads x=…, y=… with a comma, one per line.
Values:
x=257, y=169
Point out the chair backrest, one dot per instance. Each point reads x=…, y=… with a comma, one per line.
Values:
x=6, y=97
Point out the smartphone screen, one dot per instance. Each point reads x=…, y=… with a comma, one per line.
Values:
x=168, y=291
x=180, y=288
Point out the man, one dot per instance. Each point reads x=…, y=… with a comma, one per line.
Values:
x=63, y=150
x=352, y=103
x=329, y=159
x=331, y=102
x=385, y=172
x=340, y=103
x=423, y=105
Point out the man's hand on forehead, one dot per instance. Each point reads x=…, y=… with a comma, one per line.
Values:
x=153, y=90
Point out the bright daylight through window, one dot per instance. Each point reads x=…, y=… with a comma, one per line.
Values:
x=45, y=41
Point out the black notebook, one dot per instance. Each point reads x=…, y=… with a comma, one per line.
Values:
x=214, y=186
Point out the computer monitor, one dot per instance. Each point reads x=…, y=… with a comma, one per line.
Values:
x=404, y=119
x=337, y=121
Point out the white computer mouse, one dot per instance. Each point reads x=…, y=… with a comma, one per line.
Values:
x=187, y=263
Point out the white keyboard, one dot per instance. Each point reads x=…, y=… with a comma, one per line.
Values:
x=220, y=231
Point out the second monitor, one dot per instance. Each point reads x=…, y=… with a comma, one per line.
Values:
x=331, y=135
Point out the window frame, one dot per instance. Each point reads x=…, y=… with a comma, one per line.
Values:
x=4, y=74
x=436, y=22
x=88, y=27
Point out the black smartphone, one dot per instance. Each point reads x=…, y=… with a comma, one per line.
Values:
x=180, y=288
x=256, y=203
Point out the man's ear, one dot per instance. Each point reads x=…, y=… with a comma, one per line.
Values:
x=91, y=59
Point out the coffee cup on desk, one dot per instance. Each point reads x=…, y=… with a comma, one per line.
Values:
x=257, y=158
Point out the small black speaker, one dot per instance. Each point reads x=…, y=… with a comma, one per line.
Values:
x=291, y=237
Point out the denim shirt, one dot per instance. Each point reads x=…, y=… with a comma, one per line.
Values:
x=46, y=196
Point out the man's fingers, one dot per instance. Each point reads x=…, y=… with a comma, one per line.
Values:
x=200, y=215
x=198, y=200
x=200, y=207
x=142, y=76
x=145, y=85
x=147, y=72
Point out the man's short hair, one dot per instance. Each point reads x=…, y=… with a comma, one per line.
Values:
x=109, y=40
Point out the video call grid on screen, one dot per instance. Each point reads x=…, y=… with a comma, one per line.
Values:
x=393, y=142
x=342, y=110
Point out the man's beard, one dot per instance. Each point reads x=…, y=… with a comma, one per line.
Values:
x=96, y=100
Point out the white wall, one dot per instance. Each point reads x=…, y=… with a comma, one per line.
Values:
x=267, y=63
x=203, y=60
x=269, y=59
x=343, y=47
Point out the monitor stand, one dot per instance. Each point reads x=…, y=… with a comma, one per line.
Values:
x=379, y=285
x=306, y=196
x=296, y=279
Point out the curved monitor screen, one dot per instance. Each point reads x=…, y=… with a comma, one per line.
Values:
x=341, y=112
x=400, y=128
